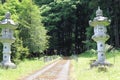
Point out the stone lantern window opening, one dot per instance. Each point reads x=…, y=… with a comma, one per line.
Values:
x=5, y=56
x=102, y=54
x=101, y=45
x=5, y=47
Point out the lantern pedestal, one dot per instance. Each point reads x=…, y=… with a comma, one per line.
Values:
x=7, y=56
x=8, y=65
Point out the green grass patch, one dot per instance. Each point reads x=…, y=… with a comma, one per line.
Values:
x=23, y=69
x=81, y=68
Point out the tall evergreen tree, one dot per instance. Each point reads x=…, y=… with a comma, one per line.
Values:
x=63, y=23
x=32, y=31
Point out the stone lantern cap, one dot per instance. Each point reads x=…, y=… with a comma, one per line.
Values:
x=8, y=22
x=100, y=19
x=99, y=12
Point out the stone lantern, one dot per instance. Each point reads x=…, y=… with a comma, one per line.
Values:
x=8, y=26
x=99, y=23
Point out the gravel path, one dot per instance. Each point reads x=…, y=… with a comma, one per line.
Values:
x=58, y=70
x=63, y=75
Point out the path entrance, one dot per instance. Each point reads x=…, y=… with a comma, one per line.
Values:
x=58, y=70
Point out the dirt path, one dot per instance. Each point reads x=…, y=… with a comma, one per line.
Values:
x=59, y=70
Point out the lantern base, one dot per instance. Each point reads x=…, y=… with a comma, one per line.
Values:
x=7, y=65
x=97, y=63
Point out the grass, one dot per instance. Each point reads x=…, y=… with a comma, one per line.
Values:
x=23, y=69
x=81, y=68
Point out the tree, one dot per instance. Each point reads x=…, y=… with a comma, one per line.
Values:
x=30, y=35
x=43, y=2
x=62, y=21
x=32, y=31
x=66, y=22
x=17, y=47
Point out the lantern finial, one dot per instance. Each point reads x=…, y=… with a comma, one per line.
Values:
x=99, y=12
x=7, y=15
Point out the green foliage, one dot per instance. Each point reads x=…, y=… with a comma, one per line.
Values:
x=18, y=51
x=59, y=23
x=42, y=2
x=17, y=47
x=32, y=31
x=63, y=17
x=30, y=35
x=89, y=43
x=66, y=22
x=11, y=6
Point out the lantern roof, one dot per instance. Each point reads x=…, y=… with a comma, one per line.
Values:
x=100, y=19
x=7, y=22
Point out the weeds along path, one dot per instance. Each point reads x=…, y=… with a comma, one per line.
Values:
x=58, y=70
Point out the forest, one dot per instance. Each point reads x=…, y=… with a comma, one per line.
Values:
x=61, y=27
